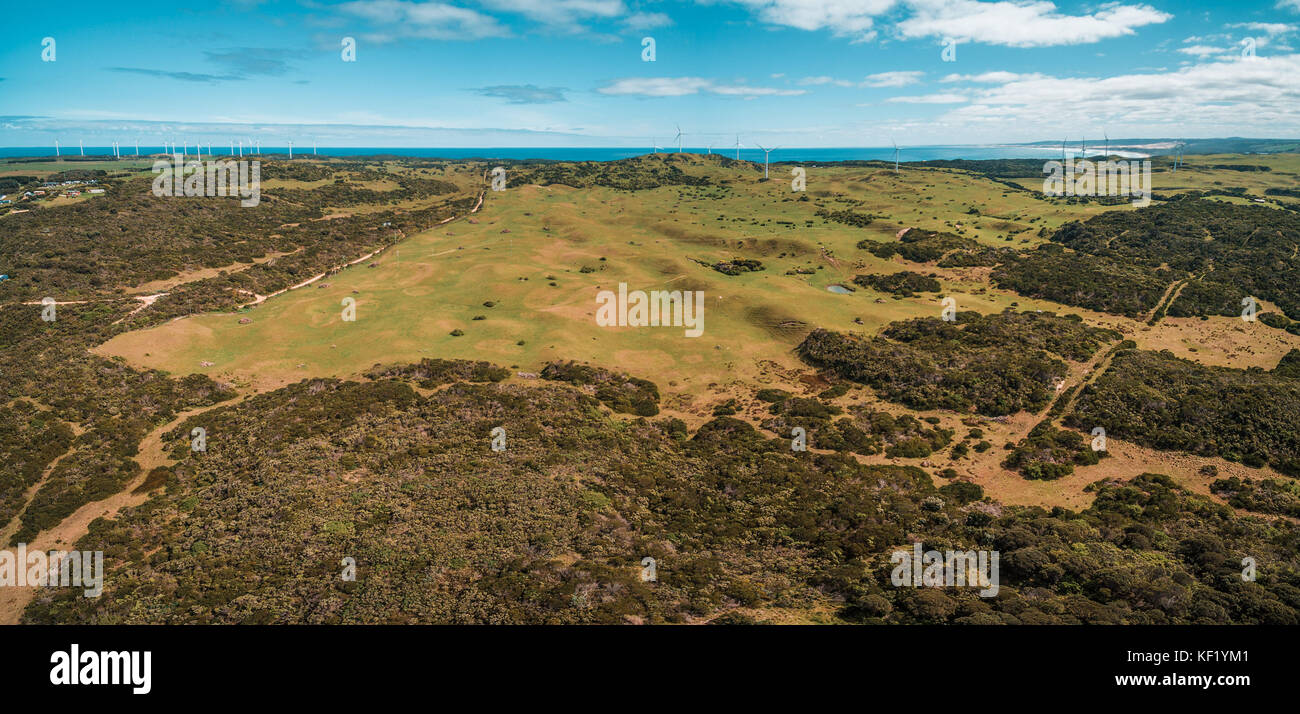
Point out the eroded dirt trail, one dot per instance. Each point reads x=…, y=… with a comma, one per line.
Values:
x=62, y=537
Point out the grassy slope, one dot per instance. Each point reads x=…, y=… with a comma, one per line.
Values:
x=437, y=281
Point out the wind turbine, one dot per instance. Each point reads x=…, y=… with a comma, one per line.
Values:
x=709, y=149
x=137, y=147
x=654, y=145
x=291, y=148
x=82, y=144
x=56, y=149
x=766, y=154
x=1063, y=148
x=896, y=150
x=679, y=138
x=1107, y=136
x=738, y=147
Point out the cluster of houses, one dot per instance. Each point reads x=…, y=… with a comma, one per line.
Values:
x=50, y=189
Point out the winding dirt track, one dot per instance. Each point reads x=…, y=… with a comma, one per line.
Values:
x=13, y=600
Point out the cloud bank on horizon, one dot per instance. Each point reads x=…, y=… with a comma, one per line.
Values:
x=810, y=73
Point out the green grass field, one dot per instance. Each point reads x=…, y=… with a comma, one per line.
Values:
x=436, y=282
x=526, y=249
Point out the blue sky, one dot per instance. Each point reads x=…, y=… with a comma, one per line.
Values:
x=570, y=72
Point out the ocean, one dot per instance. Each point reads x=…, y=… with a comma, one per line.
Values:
x=908, y=153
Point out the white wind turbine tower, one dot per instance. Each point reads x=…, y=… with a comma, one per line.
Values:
x=82, y=144
x=137, y=147
x=291, y=148
x=679, y=138
x=738, y=147
x=709, y=149
x=56, y=149
x=654, y=145
x=896, y=150
x=767, y=153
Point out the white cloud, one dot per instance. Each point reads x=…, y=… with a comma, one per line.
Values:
x=683, y=86
x=1268, y=28
x=432, y=20
x=1292, y=4
x=854, y=18
x=647, y=20
x=930, y=99
x=1035, y=23
x=1201, y=50
x=823, y=80
x=997, y=77
x=882, y=79
x=1015, y=23
x=1258, y=94
x=892, y=79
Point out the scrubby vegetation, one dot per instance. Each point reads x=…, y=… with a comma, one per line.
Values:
x=397, y=468
x=47, y=363
x=1162, y=401
x=904, y=283
x=1121, y=261
x=1049, y=453
x=848, y=218
x=1096, y=282
x=736, y=266
x=553, y=529
x=431, y=373
x=919, y=246
x=635, y=174
x=620, y=392
x=992, y=364
x=1270, y=495
x=30, y=440
x=866, y=431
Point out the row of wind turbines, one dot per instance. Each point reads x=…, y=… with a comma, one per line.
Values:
x=169, y=147
x=1083, y=150
x=767, y=153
